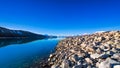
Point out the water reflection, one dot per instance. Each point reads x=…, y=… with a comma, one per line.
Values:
x=21, y=54
x=10, y=41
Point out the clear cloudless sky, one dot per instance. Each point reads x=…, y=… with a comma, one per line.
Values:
x=60, y=17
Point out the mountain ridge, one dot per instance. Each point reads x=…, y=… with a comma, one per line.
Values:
x=5, y=32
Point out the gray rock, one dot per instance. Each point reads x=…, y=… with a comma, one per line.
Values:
x=84, y=65
x=77, y=66
x=107, y=63
x=110, y=53
x=65, y=64
x=116, y=56
x=104, y=56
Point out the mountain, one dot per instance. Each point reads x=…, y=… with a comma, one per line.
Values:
x=4, y=32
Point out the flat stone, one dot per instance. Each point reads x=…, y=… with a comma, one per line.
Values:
x=116, y=56
x=77, y=66
x=104, y=64
x=116, y=66
x=95, y=55
x=54, y=66
x=104, y=56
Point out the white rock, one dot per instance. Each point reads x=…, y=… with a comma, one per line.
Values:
x=97, y=64
x=114, y=50
x=95, y=55
x=104, y=64
x=88, y=60
x=54, y=66
x=50, y=55
x=116, y=66
x=98, y=50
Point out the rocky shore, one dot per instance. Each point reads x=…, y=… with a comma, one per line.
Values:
x=98, y=50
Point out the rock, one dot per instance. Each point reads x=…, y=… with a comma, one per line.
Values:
x=107, y=47
x=107, y=63
x=65, y=64
x=101, y=38
x=104, y=56
x=84, y=65
x=53, y=59
x=110, y=53
x=88, y=60
x=89, y=66
x=54, y=66
x=114, y=50
x=99, y=51
x=95, y=55
x=79, y=62
x=72, y=50
x=50, y=55
x=116, y=66
x=102, y=47
x=112, y=61
x=104, y=64
x=74, y=58
x=77, y=66
x=89, y=49
x=83, y=45
x=116, y=56
x=97, y=64
x=118, y=46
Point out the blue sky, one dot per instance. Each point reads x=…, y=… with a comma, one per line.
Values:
x=60, y=17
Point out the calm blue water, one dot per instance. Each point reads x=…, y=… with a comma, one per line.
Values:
x=17, y=53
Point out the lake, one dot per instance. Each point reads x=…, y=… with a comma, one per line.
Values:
x=20, y=53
